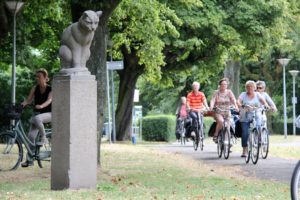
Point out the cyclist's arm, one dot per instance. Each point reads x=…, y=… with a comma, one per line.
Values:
x=263, y=101
x=239, y=102
x=233, y=100
x=271, y=102
x=46, y=103
x=205, y=104
x=213, y=101
x=29, y=98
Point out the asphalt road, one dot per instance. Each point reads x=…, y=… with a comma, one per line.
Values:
x=272, y=168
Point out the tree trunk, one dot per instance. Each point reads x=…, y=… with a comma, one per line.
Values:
x=232, y=72
x=97, y=66
x=97, y=62
x=128, y=78
x=3, y=22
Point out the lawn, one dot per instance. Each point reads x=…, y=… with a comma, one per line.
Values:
x=138, y=172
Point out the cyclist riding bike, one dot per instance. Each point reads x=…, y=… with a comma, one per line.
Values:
x=181, y=116
x=41, y=95
x=261, y=87
x=224, y=99
x=255, y=100
x=196, y=102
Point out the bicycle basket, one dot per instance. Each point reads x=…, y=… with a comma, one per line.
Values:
x=13, y=112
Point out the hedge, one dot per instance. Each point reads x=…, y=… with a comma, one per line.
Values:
x=162, y=127
x=278, y=128
x=159, y=127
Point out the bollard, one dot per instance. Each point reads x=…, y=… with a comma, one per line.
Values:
x=133, y=139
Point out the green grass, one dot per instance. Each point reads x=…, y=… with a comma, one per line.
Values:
x=285, y=147
x=139, y=172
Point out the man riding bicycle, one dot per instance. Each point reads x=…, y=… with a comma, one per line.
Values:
x=196, y=102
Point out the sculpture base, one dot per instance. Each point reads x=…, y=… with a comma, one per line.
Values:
x=74, y=131
x=79, y=71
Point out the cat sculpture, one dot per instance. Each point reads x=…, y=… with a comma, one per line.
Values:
x=76, y=41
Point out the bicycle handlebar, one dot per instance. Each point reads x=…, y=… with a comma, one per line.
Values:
x=230, y=109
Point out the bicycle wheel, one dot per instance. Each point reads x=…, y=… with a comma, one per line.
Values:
x=220, y=145
x=43, y=153
x=255, y=146
x=249, y=148
x=182, y=134
x=11, y=152
x=201, y=137
x=295, y=182
x=264, y=143
x=196, y=141
x=226, y=142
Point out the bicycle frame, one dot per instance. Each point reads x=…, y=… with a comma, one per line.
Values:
x=20, y=133
x=255, y=134
x=223, y=144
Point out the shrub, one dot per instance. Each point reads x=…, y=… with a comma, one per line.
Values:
x=278, y=127
x=207, y=123
x=162, y=127
x=158, y=128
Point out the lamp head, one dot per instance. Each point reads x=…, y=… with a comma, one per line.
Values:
x=294, y=73
x=14, y=6
x=283, y=61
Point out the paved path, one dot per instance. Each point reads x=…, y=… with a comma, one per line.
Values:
x=272, y=168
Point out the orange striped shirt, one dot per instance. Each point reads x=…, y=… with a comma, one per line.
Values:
x=196, y=101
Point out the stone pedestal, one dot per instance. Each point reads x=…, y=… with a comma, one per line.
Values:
x=74, y=131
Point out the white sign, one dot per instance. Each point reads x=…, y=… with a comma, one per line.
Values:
x=294, y=100
x=136, y=96
x=115, y=65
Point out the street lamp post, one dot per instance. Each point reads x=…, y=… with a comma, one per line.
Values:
x=294, y=73
x=283, y=62
x=14, y=7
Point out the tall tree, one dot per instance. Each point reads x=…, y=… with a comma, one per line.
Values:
x=137, y=29
x=97, y=61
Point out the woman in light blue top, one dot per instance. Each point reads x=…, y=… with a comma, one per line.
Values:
x=261, y=88
x=253, y=99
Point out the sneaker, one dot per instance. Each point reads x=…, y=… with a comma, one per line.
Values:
x=27, y=163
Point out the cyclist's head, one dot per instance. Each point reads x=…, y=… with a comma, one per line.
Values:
x=183, y=100
x=196, y=86
x=42, y=72
x=250, y=84
x=223, y=83
x=224, y=80
x=260, y=86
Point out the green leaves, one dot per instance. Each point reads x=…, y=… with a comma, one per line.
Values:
x=140, y=26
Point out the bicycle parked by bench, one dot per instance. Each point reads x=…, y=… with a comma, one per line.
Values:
x=13, y=141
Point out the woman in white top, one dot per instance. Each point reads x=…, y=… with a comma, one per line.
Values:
x=253, y=99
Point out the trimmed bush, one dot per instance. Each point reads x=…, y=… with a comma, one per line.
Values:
x=159, y=128
x=278, y=128
x=162, y=127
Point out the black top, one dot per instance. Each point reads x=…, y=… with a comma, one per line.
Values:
x=40, y=98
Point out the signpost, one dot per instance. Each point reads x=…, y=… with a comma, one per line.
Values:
x=111, y=66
